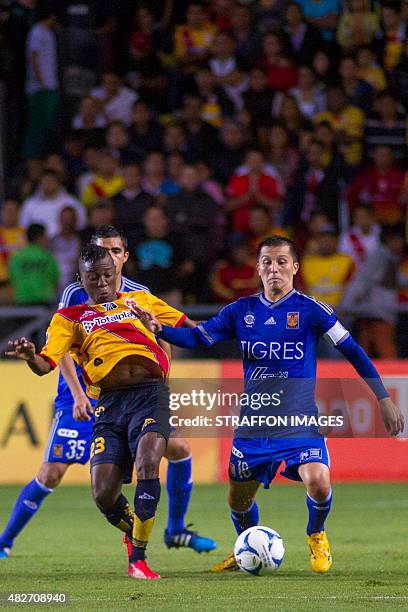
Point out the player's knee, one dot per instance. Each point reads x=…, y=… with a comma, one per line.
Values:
x=177, y=449
x=51, y=474
x=104, y=497
x=318, y=486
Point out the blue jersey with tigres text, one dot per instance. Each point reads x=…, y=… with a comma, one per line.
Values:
x=277, y=341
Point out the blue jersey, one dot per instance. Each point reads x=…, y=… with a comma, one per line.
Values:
x=73, y=295
x=278, y=343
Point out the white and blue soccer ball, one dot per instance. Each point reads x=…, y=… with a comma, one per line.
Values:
x=259, y=551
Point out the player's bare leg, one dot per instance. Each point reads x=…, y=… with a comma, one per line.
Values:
x=179, y=485
x=29, y=501
x=244, y=514
x=316, y=478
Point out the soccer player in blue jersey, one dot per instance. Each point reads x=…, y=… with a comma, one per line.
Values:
x=278, y=330
x=71, y=433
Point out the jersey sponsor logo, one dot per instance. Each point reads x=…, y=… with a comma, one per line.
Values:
x=272, y=350
x=130, y=302
x=292, y=320
x=109, y=306
x=312, y=453
x=147, y=422
x=57, y=450
x=30, y=504
x=237, y=453
x=87, y=313
x=249, y=319
x=260, y=373
x=99, y=321
x=270, y=321
x=67, y=433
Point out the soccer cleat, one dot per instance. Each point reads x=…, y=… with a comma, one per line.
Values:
x=228, y=565
x=320, y=556
x=189, y=539
x=5, y=552
x=140, y=570
x=128, y=543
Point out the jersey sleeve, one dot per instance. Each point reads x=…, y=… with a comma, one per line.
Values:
x=326, y=323
x=60, y=339
x=218, y=328
x=166, y=314
x=73, y=295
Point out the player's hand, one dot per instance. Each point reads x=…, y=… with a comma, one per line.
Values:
x=147, y=318
x=82, y=408
x=21, y=349
x=391, y=416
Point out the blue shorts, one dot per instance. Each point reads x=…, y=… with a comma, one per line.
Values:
x=69, y=440
x=260, y=458
x=122, y=417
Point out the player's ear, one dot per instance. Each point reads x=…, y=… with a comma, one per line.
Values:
x=295, y=267
x=126, y=256
x=78, y=279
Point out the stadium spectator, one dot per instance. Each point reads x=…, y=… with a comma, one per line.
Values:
x=90, y=116
x=91, y=159
x=202, y=137
x=304, y=38
x=323, y=15
x=44, y=207
x=145, y=132
x=223, y=61
x=394, y=34
x=155, y=181
x=131, y=202
x=106, y=183
x=324, y=68
x=306, y=238
x=245, y=34
x=117, y=143
x=100, y=214
x=175, y=140
x=308, y=93
x=315, y=186
x=34, y=270
x=399, y=78
x=258, y=99
x=363, y=237
x=288, y=112
x=253, y=183
x=281, y=154
x=65, y=247
x=326, y=273
x=277, y=63
x=235, y=277
x=12, y=234
x=358, y=25
x=193, y=39
x=42, y=86
x=207, y=183
x=347, y=121
x=359, y=93
x=215, y=102
x=381, y=186
x=372, y=296
x=231, y=152
x=116, y=99
x=386, y=126
x=192, y=215
x=158, y=256
x=369, y=70
x=260, y=226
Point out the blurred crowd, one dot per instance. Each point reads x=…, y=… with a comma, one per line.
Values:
x=199, y=128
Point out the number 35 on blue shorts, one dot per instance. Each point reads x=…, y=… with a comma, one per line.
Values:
x=260, y=458
x=69, y=440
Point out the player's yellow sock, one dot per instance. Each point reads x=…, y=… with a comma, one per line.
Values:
x=146, y=499
x=121, y=515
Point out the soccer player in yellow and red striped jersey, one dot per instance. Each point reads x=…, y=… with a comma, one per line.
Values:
x=123, y=364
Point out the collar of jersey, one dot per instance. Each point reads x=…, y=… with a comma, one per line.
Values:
x=269, y=304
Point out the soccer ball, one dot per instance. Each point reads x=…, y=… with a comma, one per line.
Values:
x=259, y=551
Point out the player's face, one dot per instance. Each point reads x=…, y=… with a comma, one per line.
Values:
x=99, y=280
x=276, y=267
x=116, y=250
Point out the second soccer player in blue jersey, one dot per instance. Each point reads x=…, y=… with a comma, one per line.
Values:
x=278, y=331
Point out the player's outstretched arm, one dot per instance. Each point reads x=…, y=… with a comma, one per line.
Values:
x=183, y=337
x=390, y=413
x=82, y=408
x=25, y=350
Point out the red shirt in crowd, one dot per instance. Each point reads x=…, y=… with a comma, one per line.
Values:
x=382, y=190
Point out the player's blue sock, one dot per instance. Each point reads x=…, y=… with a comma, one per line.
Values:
x=318, y=511
x=244, y=520
x=179, y=486
x=27, y=504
